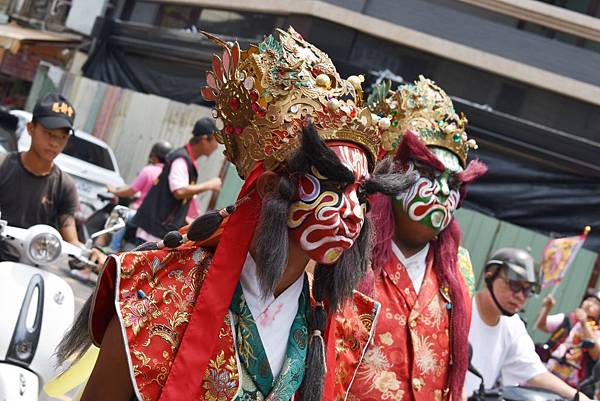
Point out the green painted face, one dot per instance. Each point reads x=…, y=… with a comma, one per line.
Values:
x=434, y=197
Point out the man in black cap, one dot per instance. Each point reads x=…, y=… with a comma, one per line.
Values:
x=168, y=202
x=33, y=190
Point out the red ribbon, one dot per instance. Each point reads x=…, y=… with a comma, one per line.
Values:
x=200, y=338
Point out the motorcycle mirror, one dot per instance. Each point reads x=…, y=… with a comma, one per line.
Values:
x=117, y=216
x=122, y=211
x=473, y=370
x=470, y=353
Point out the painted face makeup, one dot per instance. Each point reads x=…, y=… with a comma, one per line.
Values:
x=433, y=199
x=328, y=216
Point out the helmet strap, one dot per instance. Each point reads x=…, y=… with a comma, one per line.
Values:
x=489, y=281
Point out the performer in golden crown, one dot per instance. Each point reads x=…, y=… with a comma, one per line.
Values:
x=420, y=275
x=230, y=314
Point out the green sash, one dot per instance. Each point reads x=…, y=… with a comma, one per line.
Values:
x=257, y=378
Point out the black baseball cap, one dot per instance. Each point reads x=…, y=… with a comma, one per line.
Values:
x=204, y=126
x=53, y=111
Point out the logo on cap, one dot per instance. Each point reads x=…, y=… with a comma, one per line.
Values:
x=63, y=108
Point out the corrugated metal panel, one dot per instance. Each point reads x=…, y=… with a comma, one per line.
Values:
x=479, y=232
x=95, y=108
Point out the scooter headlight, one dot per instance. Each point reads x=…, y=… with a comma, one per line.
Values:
x=45, y=248
x=43, y=244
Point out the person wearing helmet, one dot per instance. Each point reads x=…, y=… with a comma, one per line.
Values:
x=143, y=182
x=141, y=185
x=159, y=152
x=574, y=345
x=502, y=348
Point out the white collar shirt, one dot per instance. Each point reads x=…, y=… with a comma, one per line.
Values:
x=415, y=265
x=273, y=316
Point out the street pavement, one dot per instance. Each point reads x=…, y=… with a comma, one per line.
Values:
x=81, y=292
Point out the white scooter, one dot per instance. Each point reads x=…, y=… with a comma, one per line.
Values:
x=36, y=306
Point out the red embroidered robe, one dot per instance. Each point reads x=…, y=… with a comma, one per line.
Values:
x=408, y=358
x=154, y=293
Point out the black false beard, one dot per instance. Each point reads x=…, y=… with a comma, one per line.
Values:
x=335, y=282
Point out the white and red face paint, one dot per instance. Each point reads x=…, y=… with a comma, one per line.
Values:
x=326, y=222
x=432, y=200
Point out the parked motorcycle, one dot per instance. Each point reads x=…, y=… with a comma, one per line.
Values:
x=37, y=306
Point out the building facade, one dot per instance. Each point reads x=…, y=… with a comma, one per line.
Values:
x=524, y=71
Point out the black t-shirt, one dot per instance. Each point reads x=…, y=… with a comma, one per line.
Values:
x=27, y=199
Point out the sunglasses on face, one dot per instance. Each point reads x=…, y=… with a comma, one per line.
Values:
x=516, y=286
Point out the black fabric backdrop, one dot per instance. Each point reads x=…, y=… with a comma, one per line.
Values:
x=548, y=201
x=178, y=81
x=522, y=192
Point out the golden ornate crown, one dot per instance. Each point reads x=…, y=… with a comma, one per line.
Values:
x=424, y=109
x=264, y=94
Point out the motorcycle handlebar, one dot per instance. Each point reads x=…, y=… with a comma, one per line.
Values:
x=81, y=262
x=106, y=197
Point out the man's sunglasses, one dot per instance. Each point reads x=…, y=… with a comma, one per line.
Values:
x=527, y=289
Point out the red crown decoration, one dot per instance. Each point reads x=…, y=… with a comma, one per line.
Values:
x=265, y=94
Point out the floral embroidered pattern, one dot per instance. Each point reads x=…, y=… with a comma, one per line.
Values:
x=374, y=365
x=137, y=312
x=386, y=382
x=157, y=293
x=386, y=338
x=355, y=325
x=221, y=378
x=425, y=356
x=408, y=358
x=375, y=370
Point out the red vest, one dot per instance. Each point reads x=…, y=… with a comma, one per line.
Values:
x=155, y=293
x=409, y=356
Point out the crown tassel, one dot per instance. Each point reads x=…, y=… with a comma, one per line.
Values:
x=201, y=229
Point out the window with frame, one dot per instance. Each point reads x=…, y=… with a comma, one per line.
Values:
x=237, y=24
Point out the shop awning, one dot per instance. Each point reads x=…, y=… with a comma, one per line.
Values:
x=22, y=49
x=13, y=37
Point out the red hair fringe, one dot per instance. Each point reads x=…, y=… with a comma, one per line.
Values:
x=411, y=147
x=473, y=171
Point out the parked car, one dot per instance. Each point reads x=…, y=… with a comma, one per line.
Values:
x=89, y=160
x=8, y=129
